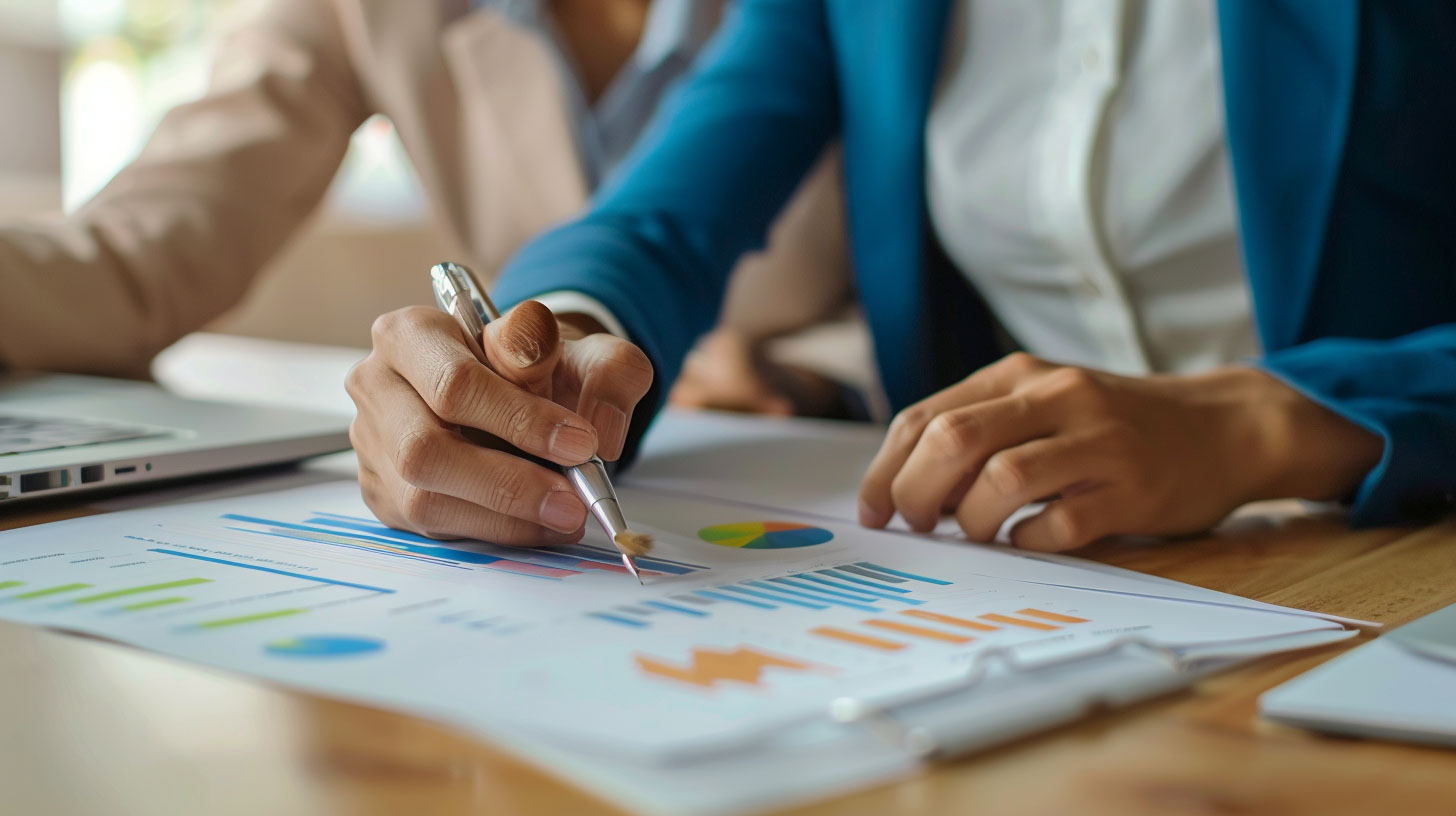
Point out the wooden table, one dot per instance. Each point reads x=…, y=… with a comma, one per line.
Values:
x=89, y=727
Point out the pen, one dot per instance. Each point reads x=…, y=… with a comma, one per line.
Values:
x=458, y=293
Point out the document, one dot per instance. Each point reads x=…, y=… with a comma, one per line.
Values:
x=666, y=697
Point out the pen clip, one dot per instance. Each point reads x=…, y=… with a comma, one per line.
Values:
x=458, y=293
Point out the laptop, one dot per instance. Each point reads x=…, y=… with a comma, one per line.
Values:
x=63, y=434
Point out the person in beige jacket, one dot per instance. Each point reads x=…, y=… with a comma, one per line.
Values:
x=488, y=100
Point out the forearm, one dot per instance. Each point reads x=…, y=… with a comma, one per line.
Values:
x=177, y=236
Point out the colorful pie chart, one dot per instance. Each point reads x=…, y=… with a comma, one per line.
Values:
x=765, y=535
x=324, y=646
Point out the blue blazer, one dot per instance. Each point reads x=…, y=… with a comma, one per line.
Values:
x=1341, y=126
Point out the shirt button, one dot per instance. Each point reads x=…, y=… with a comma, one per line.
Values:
x=1091, y=59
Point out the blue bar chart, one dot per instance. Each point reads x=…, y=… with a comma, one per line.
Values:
x=862, y=586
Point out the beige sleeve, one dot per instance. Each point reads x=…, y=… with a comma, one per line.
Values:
x=802, y=278
x=218, y=189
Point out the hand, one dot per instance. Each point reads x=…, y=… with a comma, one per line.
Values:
x=441, y=425
x=1157, y=455
x=726, y=373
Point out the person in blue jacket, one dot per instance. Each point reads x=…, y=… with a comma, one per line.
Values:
x=1225, y=234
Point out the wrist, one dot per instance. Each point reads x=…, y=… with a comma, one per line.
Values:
x=1283, y=444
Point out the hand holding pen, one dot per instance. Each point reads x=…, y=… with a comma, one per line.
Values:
x=536, y=384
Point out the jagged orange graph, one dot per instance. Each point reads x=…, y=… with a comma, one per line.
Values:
x=709, y=667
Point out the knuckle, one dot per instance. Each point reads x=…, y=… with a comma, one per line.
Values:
x=356, y=436
x=454, y=388
x=418, y=508
x=629, y=358
x=953, y=433
x=909, y=423
x=1019, y=362
x=416, y=455
x=1072, y=381
x=620, y=363
x=354, y=380
x=507, y=491
x=516, y=422
x=392, y=324
x=1007, y=474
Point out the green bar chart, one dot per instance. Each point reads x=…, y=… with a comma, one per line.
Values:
x=138, y=590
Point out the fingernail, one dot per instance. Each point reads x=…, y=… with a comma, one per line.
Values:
x=572, y=445
x=611, y=425
x=558, y=537
x=528, y=334
x=562, y=511
x=523, y=351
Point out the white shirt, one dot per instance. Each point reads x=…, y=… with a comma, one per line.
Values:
x=1077, y=175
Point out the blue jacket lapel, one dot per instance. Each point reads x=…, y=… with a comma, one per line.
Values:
x=888, y=60
x=1289, y=68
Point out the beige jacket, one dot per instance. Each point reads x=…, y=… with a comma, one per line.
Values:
x=225, y=181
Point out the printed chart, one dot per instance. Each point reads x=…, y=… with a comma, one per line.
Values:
x=352, y=532
x=864, y=587
x=765, y=535
x=738, y=629
x=324, y=646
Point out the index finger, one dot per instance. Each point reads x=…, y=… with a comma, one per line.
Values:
x=876, y=501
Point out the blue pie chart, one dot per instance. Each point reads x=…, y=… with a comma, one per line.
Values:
x=324, y=646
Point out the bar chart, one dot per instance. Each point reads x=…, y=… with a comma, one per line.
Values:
x=862, y=586
x=361, y=534
x=893, y=634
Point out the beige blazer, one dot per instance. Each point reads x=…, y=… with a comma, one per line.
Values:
x=225, y=181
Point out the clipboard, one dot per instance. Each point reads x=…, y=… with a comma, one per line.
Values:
x=1003, y=695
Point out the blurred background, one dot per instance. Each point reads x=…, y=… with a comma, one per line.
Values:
x=87, y=81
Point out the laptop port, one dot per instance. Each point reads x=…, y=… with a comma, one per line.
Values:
x=122, y=471
x=92, y=473
x=44, y=480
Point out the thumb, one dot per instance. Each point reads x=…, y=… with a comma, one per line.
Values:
x=524, y=347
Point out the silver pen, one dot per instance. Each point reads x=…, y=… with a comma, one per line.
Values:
x=458, y=293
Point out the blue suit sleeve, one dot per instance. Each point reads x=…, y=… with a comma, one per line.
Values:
x=723, y=155
x=1405, y=391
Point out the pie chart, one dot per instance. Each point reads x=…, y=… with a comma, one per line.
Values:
x=323, y=646
x=765, y=535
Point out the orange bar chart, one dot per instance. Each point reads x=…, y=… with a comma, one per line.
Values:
x=918, y=631
x=949, y=620
x=1051, y=616
x=858, y=639
x=1010, y=621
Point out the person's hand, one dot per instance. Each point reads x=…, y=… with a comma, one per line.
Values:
x=441, y=426
x=725, y=373
x=729, y=372
x=1162, y=455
